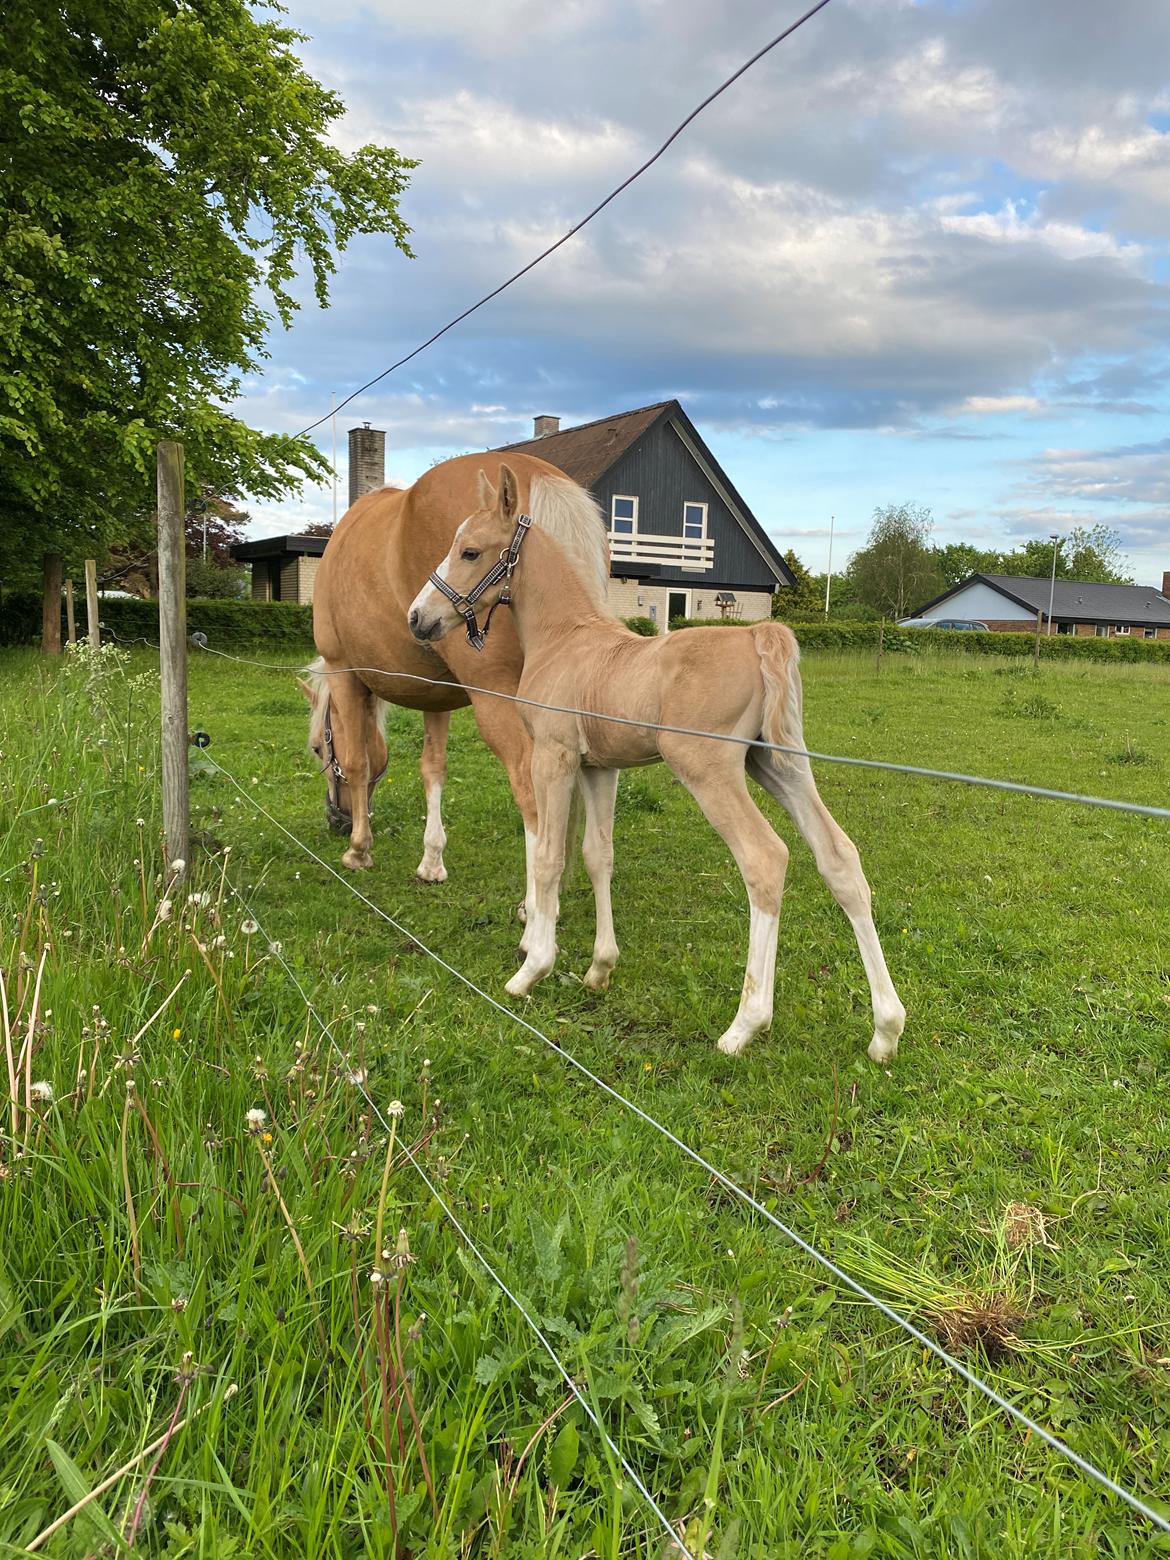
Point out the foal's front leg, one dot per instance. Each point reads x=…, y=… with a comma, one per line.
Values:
x=554, y=771
x=600, y=788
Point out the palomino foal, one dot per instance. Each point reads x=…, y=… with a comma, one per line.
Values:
x=738, y=682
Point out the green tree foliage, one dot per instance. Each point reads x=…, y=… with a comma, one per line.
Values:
x=957, y=561
x=165, y=167
x=896, y=570
x=1089, y=553
x=806, y=598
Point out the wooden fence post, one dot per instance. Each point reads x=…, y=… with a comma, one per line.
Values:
x=70, y=622
x=172, y=626
x=51, y=604
x=1036, y=646
x=91, y=603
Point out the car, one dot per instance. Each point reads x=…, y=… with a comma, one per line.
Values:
x=942, y=623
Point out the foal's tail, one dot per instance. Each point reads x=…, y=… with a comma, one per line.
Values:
x=779, y=656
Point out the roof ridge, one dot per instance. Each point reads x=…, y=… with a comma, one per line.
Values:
x=634, y=411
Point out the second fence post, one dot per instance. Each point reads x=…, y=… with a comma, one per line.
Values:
x=91, y=602
x=172, y=638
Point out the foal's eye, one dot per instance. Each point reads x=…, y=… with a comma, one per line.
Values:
x=470, y=554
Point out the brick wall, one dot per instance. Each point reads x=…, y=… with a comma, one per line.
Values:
x=305, y=577
x=629, y=598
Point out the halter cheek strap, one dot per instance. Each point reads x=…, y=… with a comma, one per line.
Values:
x=502, y=570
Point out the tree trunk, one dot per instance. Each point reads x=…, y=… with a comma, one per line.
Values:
x=51, y=605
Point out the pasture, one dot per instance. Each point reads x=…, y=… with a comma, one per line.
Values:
x=1004, y=1181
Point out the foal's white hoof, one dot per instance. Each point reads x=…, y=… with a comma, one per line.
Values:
x=735, y=1040
x=596, y=979
x=881, y=1050
x=427, y=872
x=519, y=985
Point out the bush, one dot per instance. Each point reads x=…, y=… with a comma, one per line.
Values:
x=912, y=641
x=227, y=624
x=208, y=581
x=645, y=626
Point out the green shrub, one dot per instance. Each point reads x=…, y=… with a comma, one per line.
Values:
x=227, y=624
x=645, y=626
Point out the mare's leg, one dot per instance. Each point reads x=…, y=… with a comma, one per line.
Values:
x=506, y=735
x=433, y=769
x=355, y=715
x=838, y=862
x=600, y=788
x=554, y=772
x=713, y=773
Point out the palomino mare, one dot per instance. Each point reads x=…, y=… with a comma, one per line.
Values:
x=739, y=682
x=375, y=562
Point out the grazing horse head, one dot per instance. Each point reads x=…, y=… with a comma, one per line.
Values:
x=475, y=575
x=333, y=747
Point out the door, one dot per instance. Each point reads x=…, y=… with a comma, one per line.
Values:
x=678, y=604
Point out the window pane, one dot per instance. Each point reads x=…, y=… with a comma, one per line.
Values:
x=622, y=527
x=623, y=508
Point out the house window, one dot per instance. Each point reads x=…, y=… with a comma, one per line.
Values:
x=1102, y=631
x=623, y=517
x=694, y=522
x=1122, y=628
x=1149, y=633
x=1064, y=628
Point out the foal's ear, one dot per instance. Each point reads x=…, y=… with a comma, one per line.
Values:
x=487, y=493
x=307, y=690
x=509, y=493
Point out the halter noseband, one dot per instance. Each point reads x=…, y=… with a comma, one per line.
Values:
x=502, y=570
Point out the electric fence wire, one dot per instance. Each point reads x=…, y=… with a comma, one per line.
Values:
x=679, y=1548
x=1019, y=787
x=1090, y=1470
x=577, y=226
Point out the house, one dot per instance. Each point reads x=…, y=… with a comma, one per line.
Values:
x=682, y=541
x=283, y=567
x=1006, y=602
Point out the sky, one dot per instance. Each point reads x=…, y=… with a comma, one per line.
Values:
x=919, y=252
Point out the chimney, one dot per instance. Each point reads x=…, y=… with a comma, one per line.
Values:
x=543, y=425
x=1166, y=583
x=367, y=461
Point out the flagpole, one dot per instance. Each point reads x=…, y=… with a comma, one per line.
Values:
x=829, y=572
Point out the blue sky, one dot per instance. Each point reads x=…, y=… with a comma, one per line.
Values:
x=921, y=251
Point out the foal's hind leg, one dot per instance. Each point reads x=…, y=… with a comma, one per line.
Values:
x=433, y=768
x=838, y=862
x=715, y=779
x=600, y=788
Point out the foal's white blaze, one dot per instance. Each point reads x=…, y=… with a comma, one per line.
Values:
x=431, y=868
x=759, y=981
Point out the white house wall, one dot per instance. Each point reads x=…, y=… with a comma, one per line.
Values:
x=979, y=601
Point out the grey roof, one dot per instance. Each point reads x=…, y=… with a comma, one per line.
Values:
x=278, y=547
x=1077, y=601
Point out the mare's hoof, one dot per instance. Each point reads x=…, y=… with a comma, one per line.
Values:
x=882, y=1050
x=595, y=979
x=357, y=860
x=430, y=874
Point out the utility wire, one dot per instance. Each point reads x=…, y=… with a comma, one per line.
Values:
x=576, y=228
x=927, y=1342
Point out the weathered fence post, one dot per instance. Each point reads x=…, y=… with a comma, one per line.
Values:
x=91, y=603
x=51, y=604
x=70, y=622
x=172, y=626
x=1036, y=646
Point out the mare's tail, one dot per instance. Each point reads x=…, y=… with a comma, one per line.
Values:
x=782, y=720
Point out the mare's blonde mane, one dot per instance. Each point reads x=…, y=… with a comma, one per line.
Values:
x=572, y=517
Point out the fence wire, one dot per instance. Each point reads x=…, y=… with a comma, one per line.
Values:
x=678, y=1547
x=1090, y=1470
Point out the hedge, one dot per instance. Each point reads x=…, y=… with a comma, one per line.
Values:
x=227, y=624
x=913, y=641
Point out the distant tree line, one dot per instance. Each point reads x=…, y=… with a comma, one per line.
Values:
x=900, y=568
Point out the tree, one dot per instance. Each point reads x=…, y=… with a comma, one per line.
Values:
x=165, y=167
x=804, y=599
x=957, y=561
x=318, y=528
x=1089, y=553
x=896, y=570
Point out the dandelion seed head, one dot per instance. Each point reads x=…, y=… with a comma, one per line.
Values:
x=42, y=1091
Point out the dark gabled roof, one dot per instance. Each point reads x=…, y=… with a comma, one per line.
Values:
x=278, y=546
x=1076, y=601
x=587, y=452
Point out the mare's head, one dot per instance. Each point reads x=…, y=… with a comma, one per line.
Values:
x=479, y=543
x=335, y=748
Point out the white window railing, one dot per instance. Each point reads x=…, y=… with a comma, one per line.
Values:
x=679, y=552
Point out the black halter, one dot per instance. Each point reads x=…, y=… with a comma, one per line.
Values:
x=465, y=605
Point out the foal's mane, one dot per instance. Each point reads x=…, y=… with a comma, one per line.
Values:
x=572, y=517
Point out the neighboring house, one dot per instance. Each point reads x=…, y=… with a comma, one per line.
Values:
x=1007, y=602
x=283, y=567
x=682, y=541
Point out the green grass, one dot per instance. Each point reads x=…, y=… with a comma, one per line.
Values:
x=766, y=1408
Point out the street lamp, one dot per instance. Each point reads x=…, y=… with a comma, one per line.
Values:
x=1055, y=540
